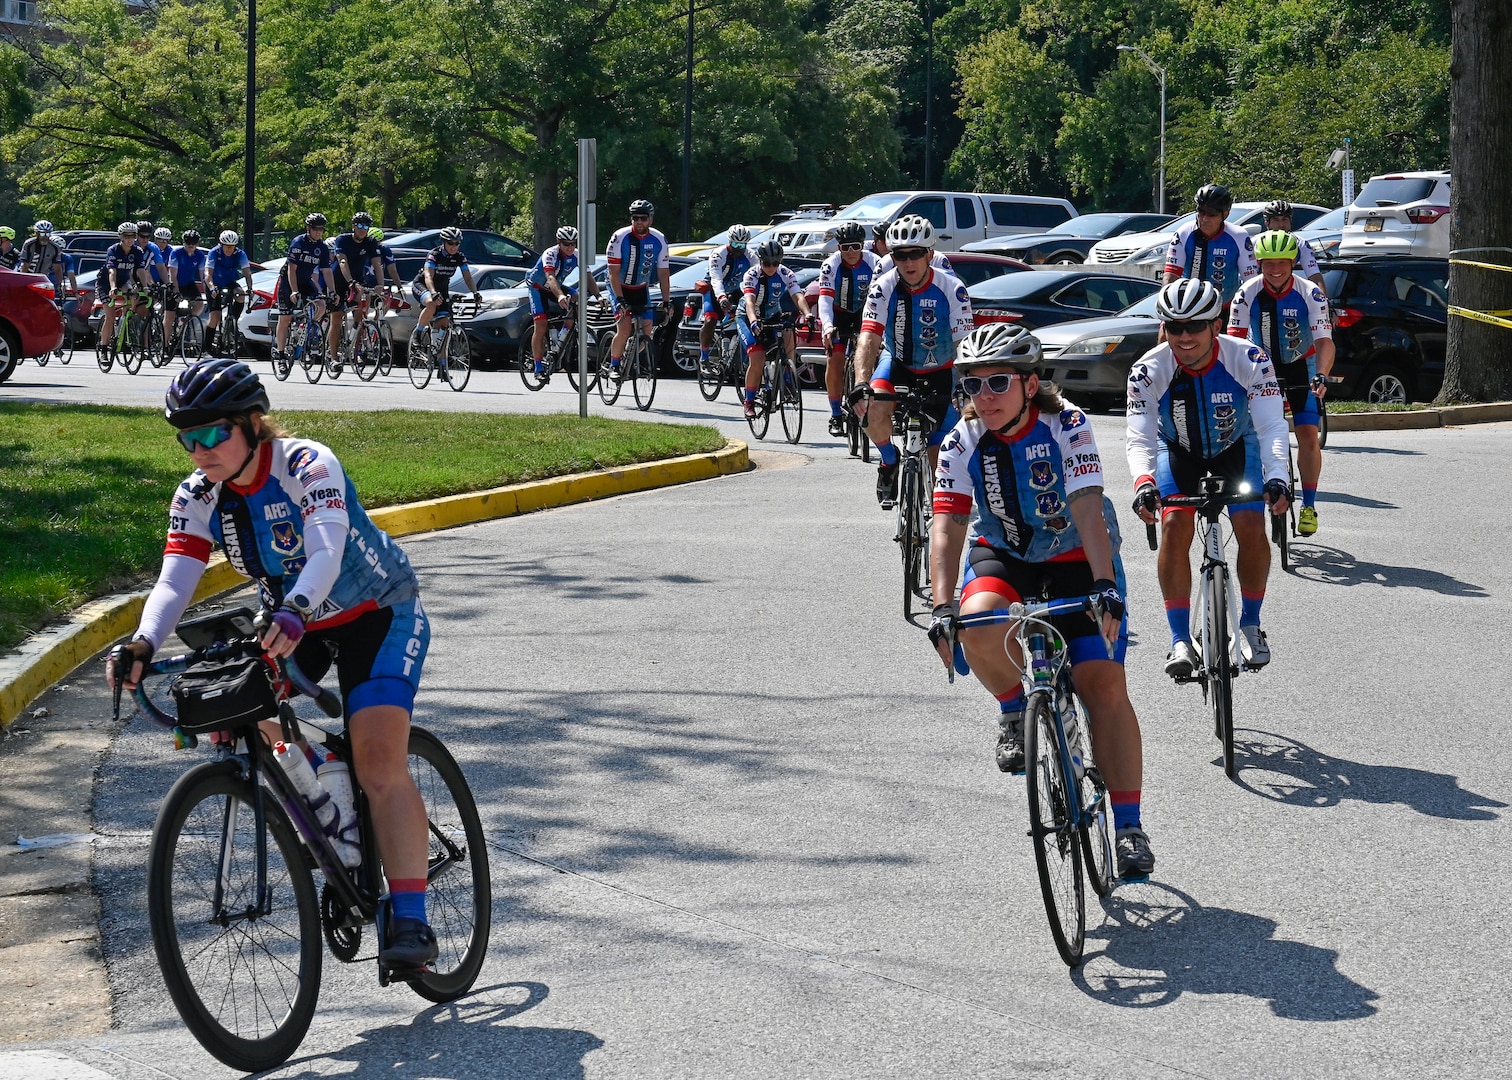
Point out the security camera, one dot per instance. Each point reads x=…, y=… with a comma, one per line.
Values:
x=1337, y=159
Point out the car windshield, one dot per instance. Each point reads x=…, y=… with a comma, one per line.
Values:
x=688, y=276
x=1394, y=190
x=1145, y=307
x=1015, y=286
x=1334, y=219
x=1095, y=226
x=873, y=207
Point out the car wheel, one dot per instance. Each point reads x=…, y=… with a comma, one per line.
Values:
x=10, y=352
x=1065, y=258
x=1387, y=384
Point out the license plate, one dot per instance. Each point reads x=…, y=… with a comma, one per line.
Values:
x=1374, y=224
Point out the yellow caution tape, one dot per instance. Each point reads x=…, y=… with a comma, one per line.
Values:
x=1483, y=266
x=1482, y=316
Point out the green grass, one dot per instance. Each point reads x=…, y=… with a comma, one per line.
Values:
x=1369, y=407
x=84, y=490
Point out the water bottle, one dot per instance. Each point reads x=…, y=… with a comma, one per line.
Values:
x=297, y=768
x=1071, y=721
x=336, y=778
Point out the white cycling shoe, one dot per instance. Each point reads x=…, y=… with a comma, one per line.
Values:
x=1253, y=647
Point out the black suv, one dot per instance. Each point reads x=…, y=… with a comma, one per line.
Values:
x=1391, y=319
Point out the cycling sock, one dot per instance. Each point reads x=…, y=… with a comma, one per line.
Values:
x=1309, y=495
x=407, y=896
x=1012, y=701
x=1249, y=609
x=1125, y=809
x=1179, y=615
x=750, y=394
x=835, y=406
x=887, y=452
x=703, y=354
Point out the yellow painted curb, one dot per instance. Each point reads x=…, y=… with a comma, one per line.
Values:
x=52, y=654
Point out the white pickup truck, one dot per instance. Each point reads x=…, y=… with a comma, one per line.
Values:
x=959, y=217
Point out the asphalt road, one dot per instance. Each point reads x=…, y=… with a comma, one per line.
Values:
x=741, y=826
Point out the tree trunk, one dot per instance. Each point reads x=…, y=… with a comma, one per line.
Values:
x=1479, y=362
x=544, y=202
x=388, y=194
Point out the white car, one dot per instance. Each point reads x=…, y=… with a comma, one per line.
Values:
x=1399, y=214
x=1144, y=253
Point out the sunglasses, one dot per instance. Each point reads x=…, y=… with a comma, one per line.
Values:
x=452, y=243
x=998, y=384
x=909, y=254
x=209, y=437
x=736, y=246
x=1174, y=328
x=769, y=265
x=850, y=247
x=640, y=217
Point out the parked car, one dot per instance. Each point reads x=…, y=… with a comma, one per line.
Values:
x=75, y=241
x=807, y=230
x=1391, y=321
x=959, y=217
x=1069, y=242
x=29, y=323
x=1035, y=298
x=480, y=246
x=1399, y=214
x=1324, y=233
x=1090, y=358
x=601, y=323
x=1148, y=249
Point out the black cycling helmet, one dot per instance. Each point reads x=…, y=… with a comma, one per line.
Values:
x=1214, y=199
x=642, y=206
x=362, y=220
x=1277, y=208
x=879, y=230
x=144, y=228
x=852, y=232
x=315, y=221
x=212, y=390
x=191, y=236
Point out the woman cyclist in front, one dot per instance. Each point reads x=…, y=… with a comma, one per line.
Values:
x=1019, y=489
x=287, y=516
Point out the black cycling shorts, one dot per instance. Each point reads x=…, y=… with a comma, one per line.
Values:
x=847, y=326
x=284, y=297
x=1295, y=383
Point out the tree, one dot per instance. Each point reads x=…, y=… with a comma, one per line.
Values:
x=1011, y=100
x=1479, y=362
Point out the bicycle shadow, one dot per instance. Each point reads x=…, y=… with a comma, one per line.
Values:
x=1302, y=776
x=1346, y=499
x=1335, y=566
x=461, y=1040
x=1161, y=943
x=1373, y=450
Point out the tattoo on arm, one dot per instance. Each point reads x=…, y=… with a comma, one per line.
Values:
x=1075, y=495
x=961, y=519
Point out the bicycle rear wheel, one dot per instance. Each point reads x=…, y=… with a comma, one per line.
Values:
x=528, y=374
x=643, y=374
x=191, y=340
x=385, y=349
x=910, y=532
x=458, y=367
x=1057, y=846
x=244, y=981
x=1216, y=647
x=567, y=360
x=155, y=341
x=790, y=399
x=459, y=896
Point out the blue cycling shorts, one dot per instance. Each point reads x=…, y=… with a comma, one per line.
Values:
x=543, y=305
x=380, y=656
x=1179, y=472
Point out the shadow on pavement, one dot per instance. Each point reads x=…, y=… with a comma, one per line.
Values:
x=1284, y=770
x=1373, y=450
x=1335, y=566
x=462, y=1040
x=1345, y=499
x=1159, y=943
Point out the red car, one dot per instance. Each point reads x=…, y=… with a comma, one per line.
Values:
x=29, y=323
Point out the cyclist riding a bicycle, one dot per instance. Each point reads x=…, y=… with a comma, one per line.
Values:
x=545, y=279
x=762, y=290
x=156, y=258
x=1278, y=218
x=844, y=280
x=42, y=255
x=388, y=266
x=1210, y=249
x=306, y=276
x=914, y=318
x=1019, y=490
x=10, y=254
x=432, y=285
x=287, y=516
x=125, y=268
x=635, y=253
x=223, y=267
x=728, y=264
x=1287, y=315
x=186, y=280
x=357, y=258
x=1203, y=403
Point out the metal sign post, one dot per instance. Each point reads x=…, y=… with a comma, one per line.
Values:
x=587, y=250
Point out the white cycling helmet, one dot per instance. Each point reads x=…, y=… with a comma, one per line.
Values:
x=230, y=237
x=43, y=228
x=738, y=236
x=911, y=231
x=1001, y=345
x=1188, y=300
x=163, y=233
x=451, y=235
x=567, y=234
x=127, y=228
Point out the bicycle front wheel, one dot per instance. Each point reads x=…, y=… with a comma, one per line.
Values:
x=458, y=367
x=608, y=386
x=911, y=532
x=1057, y=845
x=459, y=893
x=365, y=357
x=191, y=340
x=1322, y=424
x=762, y=417
x=105, y=351
x=643, y=375
x=420, y=365
x=243, y=973
x=790, y=400
x=1216, y=647
x=711, y=374
x=1097, y=849
x=133, y=347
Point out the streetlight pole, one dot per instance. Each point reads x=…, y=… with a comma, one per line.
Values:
x=249, y=178
x=928, y=92
x=687, y=161
x=1157, y=69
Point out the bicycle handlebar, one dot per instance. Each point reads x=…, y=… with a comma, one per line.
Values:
x=1021, y=614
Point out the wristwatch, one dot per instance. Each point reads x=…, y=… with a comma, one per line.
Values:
x=299, y=604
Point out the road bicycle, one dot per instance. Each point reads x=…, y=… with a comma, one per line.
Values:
x=231, y=888
x=1069, y=804
x=726, y=365
x=188, y=341
x=443, y=346
x=159, y=350
x=1280, y=536
x=228, y=334
x=130, y=337
x=306, y=344
x=913, y=418
x=780, y=391
x=1216, y=621
x=363, y=342
x=560, y=354
x=855, y=427
x=637, y=366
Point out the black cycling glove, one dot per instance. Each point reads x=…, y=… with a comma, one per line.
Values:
x=1106, y=593
x=1276, y=490
x=1147, y=498
x=943, y=625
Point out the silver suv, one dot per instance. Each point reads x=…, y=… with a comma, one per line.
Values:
x=1399, y=214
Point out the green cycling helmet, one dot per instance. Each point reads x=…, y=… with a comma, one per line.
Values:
x=7, y=232
x=1276, y=245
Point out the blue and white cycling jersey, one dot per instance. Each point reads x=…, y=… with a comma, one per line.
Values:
x=154, y=260
x=767, y=291
x=1021, y=488
x=261, y=528
x=1288, y=326
x=553, y=262
x=1205, y=412
x=226, y=269
x=844, y=287
x=1226, y=260
x=186, y=269
x=635, y=260
x=919, y=327
x=727, y=270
